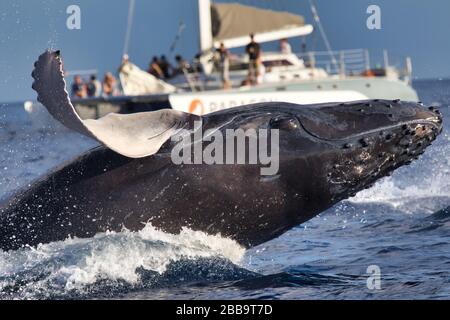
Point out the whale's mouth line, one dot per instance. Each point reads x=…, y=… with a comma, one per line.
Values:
x=435, y=122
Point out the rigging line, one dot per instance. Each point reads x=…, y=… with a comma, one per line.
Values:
x=181, y=28
x=129, y=26
x=322, y=32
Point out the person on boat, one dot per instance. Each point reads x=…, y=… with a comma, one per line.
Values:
x=260, y=75
x=155, y=69
x=182, y=65
x=197, y=63
x=253, y=51
x=285, y=47
x=78, y=88
x=165, y=67
x=224, y=60
x=110, y=88
x=94, y=87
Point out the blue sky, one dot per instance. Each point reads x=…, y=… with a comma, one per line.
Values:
x=418, y=28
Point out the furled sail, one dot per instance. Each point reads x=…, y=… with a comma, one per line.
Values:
x=138, y=82
x=233, y=22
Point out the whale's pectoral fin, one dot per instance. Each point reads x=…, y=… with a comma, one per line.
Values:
x=50, y=85
x=141, y=134
x=135, y=135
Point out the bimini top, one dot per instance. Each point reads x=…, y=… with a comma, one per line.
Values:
x=231, y=21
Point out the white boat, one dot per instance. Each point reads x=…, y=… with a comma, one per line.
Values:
x=309, y=77
x=304, y=78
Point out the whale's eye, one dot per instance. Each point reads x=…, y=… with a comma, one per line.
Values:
x=284, y=123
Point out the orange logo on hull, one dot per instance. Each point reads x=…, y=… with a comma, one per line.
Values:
x=197, y=107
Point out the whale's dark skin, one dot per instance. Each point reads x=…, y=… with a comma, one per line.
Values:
x=328, y=152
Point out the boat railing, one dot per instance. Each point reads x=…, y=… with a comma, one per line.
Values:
x=343, y=63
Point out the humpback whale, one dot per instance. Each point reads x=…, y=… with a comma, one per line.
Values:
x=327, y=152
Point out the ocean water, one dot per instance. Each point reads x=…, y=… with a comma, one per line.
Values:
x=400, y=226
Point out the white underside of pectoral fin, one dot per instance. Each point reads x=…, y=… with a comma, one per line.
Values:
x=136, y=135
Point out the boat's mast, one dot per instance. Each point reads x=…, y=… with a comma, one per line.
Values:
x=204, y=14
x=322, y=32
x=126, y=45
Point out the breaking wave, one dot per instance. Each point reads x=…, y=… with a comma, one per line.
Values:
x=130, y=259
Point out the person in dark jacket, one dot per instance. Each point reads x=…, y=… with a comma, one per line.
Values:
x=253, y=51
x=165, y=67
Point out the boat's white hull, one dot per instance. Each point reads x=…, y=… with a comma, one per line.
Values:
x=306, y=92
x=204, y=103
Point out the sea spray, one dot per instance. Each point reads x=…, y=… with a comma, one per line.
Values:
x=74, y=264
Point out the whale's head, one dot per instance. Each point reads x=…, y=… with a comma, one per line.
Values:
x=329, y=152
x=351, y=145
